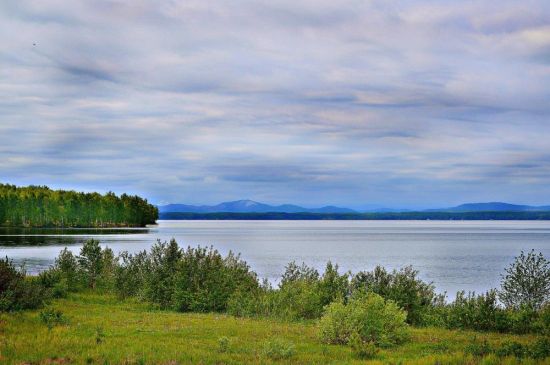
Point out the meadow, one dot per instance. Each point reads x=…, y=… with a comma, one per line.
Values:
x=101, y=329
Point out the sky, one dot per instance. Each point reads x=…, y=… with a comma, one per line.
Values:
x=410, y=104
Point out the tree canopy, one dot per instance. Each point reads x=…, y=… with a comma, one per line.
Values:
x=40, y=206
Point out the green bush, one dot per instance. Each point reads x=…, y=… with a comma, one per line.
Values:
x=336, y=326
x=52, y=317
x=369, y=316
x=478, y=348
x=480, y=312
x=131, y=274
x=278, y=349
x=526, y=282
x=197, y=279
x=403, y=287
x=223, y=344
x=512, y=348
x=302, y=294
x=540, y=349
x=90, y=262
x=67, y=267
x=205, y=281
x=17, y=292
x=361, y=349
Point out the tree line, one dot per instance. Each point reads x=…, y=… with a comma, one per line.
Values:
x=542, y=215
x=40, y=206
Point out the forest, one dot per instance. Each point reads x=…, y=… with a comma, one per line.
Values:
x=40, y=206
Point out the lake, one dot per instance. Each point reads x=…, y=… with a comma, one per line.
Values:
x=455, y=255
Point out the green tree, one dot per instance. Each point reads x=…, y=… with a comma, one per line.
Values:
x=526, y=282
x=91, y=261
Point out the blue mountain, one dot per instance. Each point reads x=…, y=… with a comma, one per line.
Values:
x=249, y=206
x=492, y=207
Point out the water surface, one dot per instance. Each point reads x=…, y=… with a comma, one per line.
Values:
x=468, y=255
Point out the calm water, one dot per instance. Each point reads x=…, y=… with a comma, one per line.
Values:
x=455, y=255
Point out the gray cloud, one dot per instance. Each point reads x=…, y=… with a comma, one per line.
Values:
x=423, y=103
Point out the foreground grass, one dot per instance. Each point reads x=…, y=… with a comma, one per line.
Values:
x=103, y=330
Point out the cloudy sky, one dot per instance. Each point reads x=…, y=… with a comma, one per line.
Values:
x=354, y=103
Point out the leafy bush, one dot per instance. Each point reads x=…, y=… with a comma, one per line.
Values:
x=205, y=280
x=302, y=294
x=526, y=282
x=478, y=348
x=197, y=279
x=99, y=335
x=404, y=287
x=473, y=311
x=336, y=326
x=18, y=292
x=90, y=262
x=131, y=275
x=160, y=277
x=369, y=316
x=67, y=267
x=542, y=323
x=223, y=344
x=361, y=349
x=540, y=349
x=52, y=317
x=512, y=348
x=278, y=349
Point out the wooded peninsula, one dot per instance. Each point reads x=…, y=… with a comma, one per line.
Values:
x=40, y=206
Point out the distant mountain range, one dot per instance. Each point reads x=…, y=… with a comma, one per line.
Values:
x=493, y=207
x=250, y=206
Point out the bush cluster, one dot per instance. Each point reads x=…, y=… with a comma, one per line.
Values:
x=202, y=280
x=17, y=291
x=538, y=349
x=367, y=317
x=192, y=280
x=302, y=294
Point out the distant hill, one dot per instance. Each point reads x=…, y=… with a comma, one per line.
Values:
x=492, y=207
x=248, y=206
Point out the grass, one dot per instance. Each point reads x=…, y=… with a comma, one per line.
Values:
x=99, y=329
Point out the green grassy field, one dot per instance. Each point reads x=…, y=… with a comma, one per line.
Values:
x=99, y=329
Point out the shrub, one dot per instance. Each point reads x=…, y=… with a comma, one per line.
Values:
x=52, y=317
x=107, y=276
x=257, y=302
x=336, y=326
x=526, y=282
x=480, y=312
x=131, y=275
x=52, y=280
x=297, y=300
x=542, y=323
x=278, y=349
x=478, y=348
x=361, y=349
x=90, y=262
x=511, y=348
x=223, y=344
x=404, y=287
x=369, y=316
x=67, y=267
x=540, y=349
x=205, y=281
x=302, y=293
x=18, y=292
x=99, y=335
